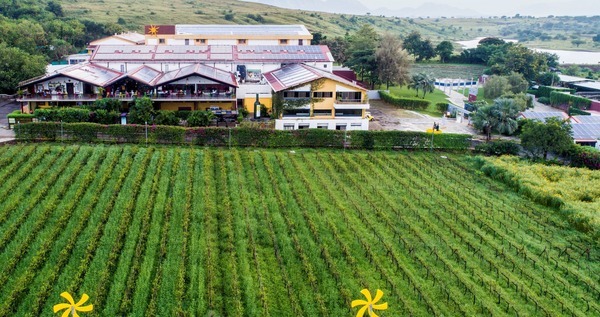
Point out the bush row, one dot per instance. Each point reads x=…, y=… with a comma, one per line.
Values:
x=71, y=115
x=404, y=103
x=545, y=91
x=577, y=112
x=499, y=147
x=253, y=137
x=559, y=99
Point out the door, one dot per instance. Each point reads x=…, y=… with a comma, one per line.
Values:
x=70, y=90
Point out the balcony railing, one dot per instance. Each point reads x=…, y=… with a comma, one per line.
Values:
x=123, y=97
x=350, y=101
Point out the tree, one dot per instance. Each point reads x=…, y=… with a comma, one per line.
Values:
x=142, y=111
x=200, y=118
x=423, y=82
x=392, y=61
x=548, y=79
x=55, y=8
x=412, y=43
x=425, y=51
x=501, y=116
x=577, y=42
x=491, y=41
x=318, y=37
x=17, y=66
x=485, y=119
x=338, y=47
x=519, y=59
x=507, y=112
x=517, y=83
x=540, y=138
x=444, y=50
x=361, y=57
x=495, y=87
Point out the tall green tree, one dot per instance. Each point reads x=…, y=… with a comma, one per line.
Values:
x=541, y=138
x=444, y=50
x=393, y=63
x=17, y=65
x=142, y=111
x=338, y=47
x=412, y=43
x=361, y=53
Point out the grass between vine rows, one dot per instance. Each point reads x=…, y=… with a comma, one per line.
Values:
x=163, y=231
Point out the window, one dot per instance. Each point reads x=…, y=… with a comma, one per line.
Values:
x=324, y=65
x=242, y=41
x=300, y=42
x=187, y=41
x=122, y=68
x=322, y=126
x=288, y=126
x=202, y=41
x=340, y=126
x=296, y=94
x=318, y=112
x=283, y=41
x=322, y=94
x=356, y=125
x=161, y=41
x=303, y=126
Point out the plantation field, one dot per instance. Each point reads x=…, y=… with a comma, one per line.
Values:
x=164, y=231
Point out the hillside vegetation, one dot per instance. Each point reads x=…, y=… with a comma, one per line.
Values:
x=167, y=231
x=136, y=13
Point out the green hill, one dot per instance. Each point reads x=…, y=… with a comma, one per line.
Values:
x=132, y=15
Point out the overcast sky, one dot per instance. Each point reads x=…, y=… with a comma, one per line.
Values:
x=502, y=7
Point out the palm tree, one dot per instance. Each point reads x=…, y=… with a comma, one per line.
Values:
x=485, y=119
x=507, y=112
x=416, y=82
x=427, y=84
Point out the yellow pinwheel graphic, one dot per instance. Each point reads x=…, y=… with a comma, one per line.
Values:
x=72, y=308
x=369, y=304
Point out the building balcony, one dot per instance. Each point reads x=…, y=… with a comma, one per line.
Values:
x=123, y=97
x=351, y=104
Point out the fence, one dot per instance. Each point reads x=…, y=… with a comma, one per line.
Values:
x=239, y=137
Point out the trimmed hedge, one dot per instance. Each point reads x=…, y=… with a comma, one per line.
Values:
x=576, y=112
x=559, y=99
x=545, y=91
x=17, y=114
x=404, y=103
x=242, y=137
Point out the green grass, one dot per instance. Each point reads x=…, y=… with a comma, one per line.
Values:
x=194, y=231
x=437, y=96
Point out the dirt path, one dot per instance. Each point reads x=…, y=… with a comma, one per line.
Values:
x=388, y=117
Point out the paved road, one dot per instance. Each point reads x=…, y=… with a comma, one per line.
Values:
x=6, y=107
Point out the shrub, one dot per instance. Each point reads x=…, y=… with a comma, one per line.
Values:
x=108, y=104
x=584, y=156
x=404, y=103
x=141, y=111
x=544, y=100
x=103, y=116
x=441, y=106
x=166, y=117
x=67, y=115
x=499, y=147
x=17, y=114
x=574, y=112
x=200, y=118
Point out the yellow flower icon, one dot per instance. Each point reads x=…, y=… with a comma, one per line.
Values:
x=71, y=307
x=369, y=304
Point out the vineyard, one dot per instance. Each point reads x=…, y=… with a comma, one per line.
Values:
x=165, y=231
